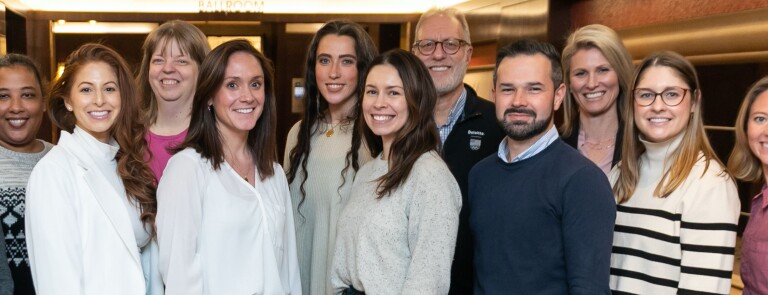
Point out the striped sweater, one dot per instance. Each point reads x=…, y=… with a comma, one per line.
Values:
x=682, y=244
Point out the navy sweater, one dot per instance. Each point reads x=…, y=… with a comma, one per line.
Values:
x=543, y=225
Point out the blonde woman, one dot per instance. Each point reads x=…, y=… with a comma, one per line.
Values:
x=598, y=73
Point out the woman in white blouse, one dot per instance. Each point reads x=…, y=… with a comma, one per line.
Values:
x=91, y=201
x=225, y=224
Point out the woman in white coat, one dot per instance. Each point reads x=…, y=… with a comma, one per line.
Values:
x=90, y=200
x=224, y=221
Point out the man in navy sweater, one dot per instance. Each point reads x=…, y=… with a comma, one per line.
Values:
x=541, y=214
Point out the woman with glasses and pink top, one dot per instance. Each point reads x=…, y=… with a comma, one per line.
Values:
x=749, y=162
x=678, y=207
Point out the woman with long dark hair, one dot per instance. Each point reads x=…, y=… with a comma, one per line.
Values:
x=322, y=152
x=224, y=221
x=91, y=205
x=397, y=233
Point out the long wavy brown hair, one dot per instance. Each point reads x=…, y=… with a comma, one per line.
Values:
x=316, y=107
x=418, y=135
x=127, y=129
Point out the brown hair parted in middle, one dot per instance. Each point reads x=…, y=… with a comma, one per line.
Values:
x=204, y=136
x=127, y=129
x=418, y=135
x=694, y=142
x=191, y=41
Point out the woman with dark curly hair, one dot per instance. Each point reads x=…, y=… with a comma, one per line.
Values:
x=91, y=204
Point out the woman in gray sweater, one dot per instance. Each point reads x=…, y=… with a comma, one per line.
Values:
x=396, y=235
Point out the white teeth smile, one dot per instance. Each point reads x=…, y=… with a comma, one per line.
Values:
x=382, y=117
x=595, y=94
x=439, y=68
x=334, y=86
x=99, y=113
x=169, y=82
x=765, y=145
x=659, y=120
x=17, y=122
x=244, y=111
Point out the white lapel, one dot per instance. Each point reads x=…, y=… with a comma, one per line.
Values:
x=105, y=194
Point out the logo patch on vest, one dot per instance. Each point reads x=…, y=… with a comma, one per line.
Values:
x=475, y=139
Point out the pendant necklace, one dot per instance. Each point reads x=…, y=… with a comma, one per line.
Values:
x=329, y=133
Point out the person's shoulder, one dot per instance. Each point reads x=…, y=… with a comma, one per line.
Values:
x=431, y=161
x=295, y=128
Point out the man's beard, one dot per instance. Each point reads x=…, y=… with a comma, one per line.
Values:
x=522, y=130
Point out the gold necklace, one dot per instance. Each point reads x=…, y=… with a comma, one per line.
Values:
x=234, y=167
x=329, y=133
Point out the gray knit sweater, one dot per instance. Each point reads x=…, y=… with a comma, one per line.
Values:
x=402, y=243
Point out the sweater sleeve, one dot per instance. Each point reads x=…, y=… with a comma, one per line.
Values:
x=290, y=143
x=708, y=234
x=179, y=220
x=6, y=282
x=433, y=221
x=589, y=214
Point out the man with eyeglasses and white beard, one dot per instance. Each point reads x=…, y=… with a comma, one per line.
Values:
x=466, y=122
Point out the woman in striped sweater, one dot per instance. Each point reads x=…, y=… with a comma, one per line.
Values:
x=677, y=205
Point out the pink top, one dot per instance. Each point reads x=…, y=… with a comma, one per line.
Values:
x=601, y=155
x=754, y=248
x=158, y=146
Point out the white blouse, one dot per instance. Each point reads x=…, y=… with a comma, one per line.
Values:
x=219, y=235
x=83, y=234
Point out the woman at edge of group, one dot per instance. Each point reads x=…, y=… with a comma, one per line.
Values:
x=166, y=80
x=22, y=107
x=749, y=162
x=678, y=207
x=598, y=72
x=322, y=152
x=224, y=222
x=91, y=200
x=396, y=234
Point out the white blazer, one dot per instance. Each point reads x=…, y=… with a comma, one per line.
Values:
x=79, y=235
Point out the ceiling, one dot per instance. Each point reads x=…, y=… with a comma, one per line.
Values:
x=269, y=6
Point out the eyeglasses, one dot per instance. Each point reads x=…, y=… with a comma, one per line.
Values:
x=672, y=96
x=450, y=46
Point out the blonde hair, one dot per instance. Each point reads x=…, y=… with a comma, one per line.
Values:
x=609, y=43
x=742, y=163
x=694, y=139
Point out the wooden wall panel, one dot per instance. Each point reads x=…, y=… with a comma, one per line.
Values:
x=620, y=14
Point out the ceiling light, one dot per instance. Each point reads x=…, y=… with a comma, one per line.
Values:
x=93, y=27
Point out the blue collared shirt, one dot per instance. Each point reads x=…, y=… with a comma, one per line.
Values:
x=453, y=116
x=533, y=150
